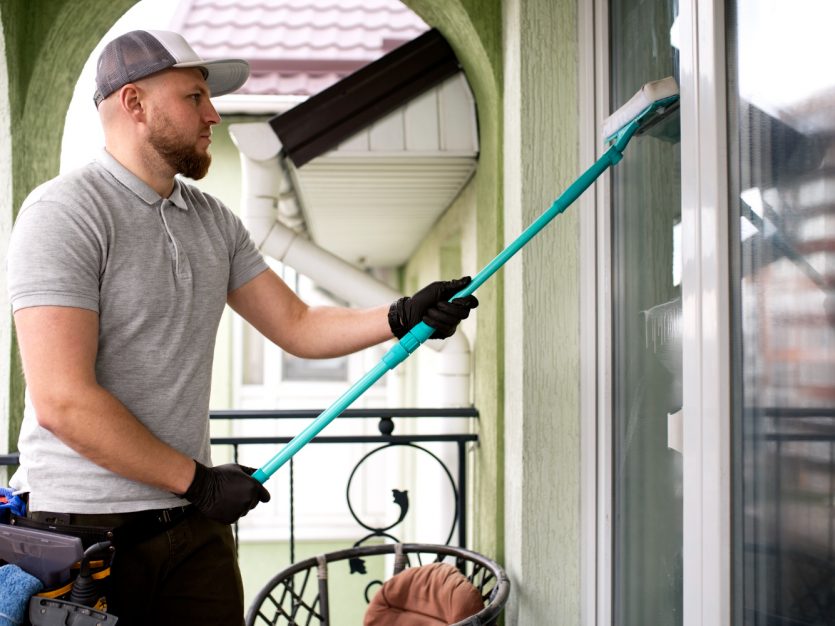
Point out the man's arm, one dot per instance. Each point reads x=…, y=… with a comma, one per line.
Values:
x=281, y=316
x=58, y=346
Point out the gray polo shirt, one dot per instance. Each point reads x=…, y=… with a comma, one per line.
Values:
x=157, y=271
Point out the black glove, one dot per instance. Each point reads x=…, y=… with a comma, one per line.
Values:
x=226, y=492
x=431, y=305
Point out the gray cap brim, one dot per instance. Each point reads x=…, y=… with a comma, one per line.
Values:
x=222, y=76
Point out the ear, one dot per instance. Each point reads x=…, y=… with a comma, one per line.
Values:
x=131, y=99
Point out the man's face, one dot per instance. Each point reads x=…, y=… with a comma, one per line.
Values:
x=180, y=122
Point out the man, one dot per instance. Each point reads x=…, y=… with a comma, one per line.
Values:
x=118, y=275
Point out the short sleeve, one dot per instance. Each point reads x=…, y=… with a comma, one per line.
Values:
x=55, y=258
x=246, y=261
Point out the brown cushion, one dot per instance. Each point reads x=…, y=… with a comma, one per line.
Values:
x=429, y=595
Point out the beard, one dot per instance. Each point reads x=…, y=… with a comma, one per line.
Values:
x=179, y=154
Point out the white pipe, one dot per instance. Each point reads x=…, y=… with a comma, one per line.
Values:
x=326, y=269
x=267, y=191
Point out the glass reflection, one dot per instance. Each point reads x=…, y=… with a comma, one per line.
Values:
x=782, y=173
x=646, y=332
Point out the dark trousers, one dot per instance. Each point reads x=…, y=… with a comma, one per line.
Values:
x=186, y=575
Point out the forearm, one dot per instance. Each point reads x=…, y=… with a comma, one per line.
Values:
x=58, y=347
x=281, y=316
x=99, y=427
x=276, y=312
x=325, y=332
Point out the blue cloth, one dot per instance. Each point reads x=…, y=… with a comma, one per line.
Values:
x=10, y=503
x=16, y=588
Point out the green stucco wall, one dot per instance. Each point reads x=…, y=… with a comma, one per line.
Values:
x=474, y=29
x=47, y=43
x=542, y=427
x=5, y=230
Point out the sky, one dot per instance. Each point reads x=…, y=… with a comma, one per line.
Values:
x=83, y=136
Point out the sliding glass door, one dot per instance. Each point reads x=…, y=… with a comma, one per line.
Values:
x=646, y=312
x=721, y=265
x=781, y=92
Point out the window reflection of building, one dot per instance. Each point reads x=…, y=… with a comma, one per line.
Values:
x=783, y=186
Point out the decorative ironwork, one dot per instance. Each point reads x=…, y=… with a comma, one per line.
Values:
x=401, y=498
x=386, y=438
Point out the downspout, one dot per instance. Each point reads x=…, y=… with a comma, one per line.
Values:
x=270, y=199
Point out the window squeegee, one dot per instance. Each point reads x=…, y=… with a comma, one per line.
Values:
x=653, y=103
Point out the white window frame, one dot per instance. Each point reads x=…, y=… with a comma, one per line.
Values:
x=707, y=581
x=595, y=340
x=706, y=315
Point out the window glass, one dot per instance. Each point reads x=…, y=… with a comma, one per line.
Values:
x=309, y=370
x=646, y=332
x=781, y=126
x=252, y=348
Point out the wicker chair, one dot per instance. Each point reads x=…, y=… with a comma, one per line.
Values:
x=291, y=598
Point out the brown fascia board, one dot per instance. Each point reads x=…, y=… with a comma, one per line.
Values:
x=324, y=120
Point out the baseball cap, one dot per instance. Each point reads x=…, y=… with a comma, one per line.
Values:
x=140, y=53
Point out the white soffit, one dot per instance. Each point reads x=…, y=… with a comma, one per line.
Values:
x=373, y=198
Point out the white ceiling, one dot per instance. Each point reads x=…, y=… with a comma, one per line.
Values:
x=373, y=198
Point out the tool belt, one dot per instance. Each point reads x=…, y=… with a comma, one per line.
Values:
x=88, y=586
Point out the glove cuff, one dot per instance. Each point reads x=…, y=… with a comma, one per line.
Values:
x=196, y=487
x=395, y=318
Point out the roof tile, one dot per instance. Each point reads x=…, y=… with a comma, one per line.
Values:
x=297, y=46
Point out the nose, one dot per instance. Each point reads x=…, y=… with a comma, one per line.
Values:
x=210, y=114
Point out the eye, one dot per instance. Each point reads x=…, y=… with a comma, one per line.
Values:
x=196, y=97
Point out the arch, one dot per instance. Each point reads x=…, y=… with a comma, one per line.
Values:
x=474, y=30
x=47, y=47
x=5, y=230
x=57, y=58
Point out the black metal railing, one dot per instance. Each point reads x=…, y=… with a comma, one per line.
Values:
x=386, y=439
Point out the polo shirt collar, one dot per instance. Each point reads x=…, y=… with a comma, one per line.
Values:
x=138, y=186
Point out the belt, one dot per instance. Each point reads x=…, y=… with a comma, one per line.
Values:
x=125, y=528
x=112, y=520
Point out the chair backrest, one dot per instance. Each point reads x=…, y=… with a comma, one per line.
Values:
x=292, y=597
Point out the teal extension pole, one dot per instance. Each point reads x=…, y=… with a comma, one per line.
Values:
x=422, y=331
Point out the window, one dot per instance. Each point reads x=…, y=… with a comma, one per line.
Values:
x=295, y=369
x=781, y=134
x=264, y=364
x=252, y=353
x=646, y=333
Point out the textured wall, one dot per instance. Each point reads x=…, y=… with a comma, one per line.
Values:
x=47, y=43
x=542, y=315
x=5, y=228
x=473, y=28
